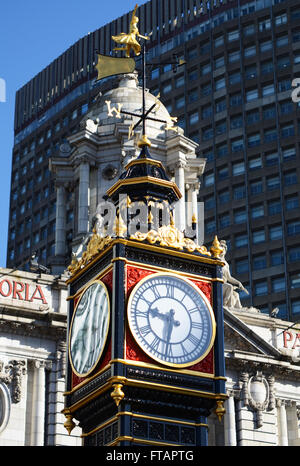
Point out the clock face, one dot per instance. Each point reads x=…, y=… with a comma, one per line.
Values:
x=171, y=320
x=89, y=328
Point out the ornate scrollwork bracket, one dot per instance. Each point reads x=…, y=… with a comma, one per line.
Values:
x=11, y=374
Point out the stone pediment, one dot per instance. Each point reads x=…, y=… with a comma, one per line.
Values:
x=239, y=337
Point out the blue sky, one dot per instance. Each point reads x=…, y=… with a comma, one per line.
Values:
x=32, y=34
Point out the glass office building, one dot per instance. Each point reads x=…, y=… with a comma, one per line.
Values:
x=233, y=97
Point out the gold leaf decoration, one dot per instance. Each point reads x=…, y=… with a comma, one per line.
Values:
x=96, y=244
x=170, y=236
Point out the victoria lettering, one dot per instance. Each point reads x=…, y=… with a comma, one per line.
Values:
x=21, y=291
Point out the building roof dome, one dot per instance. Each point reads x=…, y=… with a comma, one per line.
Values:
x=128, y=97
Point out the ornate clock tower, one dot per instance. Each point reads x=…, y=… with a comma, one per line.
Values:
x=145, y=341
x=146, y=352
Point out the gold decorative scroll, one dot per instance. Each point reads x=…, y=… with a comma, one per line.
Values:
x=110, y=66
x=170, y=236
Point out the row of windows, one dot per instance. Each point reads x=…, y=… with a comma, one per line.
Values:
x=270, y=233
x=260, y=262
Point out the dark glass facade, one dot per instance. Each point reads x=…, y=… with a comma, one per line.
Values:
x=233, y=97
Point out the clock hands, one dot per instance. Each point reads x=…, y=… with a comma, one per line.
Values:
x=169, y=324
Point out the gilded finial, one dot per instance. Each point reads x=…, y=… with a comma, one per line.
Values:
x=117, y=394
x=144, y=141
x=216, y=248
x=69, y=424
x=220, y=410
x=194, y=218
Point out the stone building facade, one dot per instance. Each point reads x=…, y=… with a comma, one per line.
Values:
x=32, y=359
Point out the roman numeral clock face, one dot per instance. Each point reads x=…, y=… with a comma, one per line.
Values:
x=171, y=320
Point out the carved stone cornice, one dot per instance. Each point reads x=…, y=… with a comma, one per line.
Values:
x=34, y=328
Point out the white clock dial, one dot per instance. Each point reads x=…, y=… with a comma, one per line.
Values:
x=171, y=319
x=89, y=328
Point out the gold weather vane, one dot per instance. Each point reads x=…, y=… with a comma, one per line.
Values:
x=109, y=66
x=130, y=39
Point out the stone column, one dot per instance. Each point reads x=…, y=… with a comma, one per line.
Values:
x=60, y=227
x=84, y=196
x=38, y=404
x=229, y=422
x=282, y=423
x=180, y=206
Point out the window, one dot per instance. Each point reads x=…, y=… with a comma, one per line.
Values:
x=296, y=307
x=269, y=112
x=207, y=133
x=295, y=14
x=271, y=159
x=280, y=19
x=293, y=228
x=250, y=72
x=273, y=182
x=290, y=178
x=233, y=35
x=257, y=211
x=258, y=236
x=282, y=40
x=249, y=30
x=222, y=150
x=239, y=192
x=286, y=107
x=236, y=100
x=179, y=102
x=223, y=173
x=206, y=111
x=206, y=90
x=259, y=262
x=295, y=280
x=242, y=266
x=224, y=220
x=209, y=179
x=237, y=145
x=210, y=226
x=234, y=56
x=270, y=135
x=266, y=45
x=264, y=25
x=256, y=187
x=255, y=163
x=253, y=117
x=155, y=73
x=167, y=88
x=274, y=207
x=250, y=51
x=193, y=75
x=278, y=284
x=240, y=216
x=276, y=257
x=284, y=85
x=209, y=203
x=275, y=232
x=221, y=127
x=251, y=95
x=294, y=254
x=268, y=90
x=205, y=69
x=179, y=81
x=223, y=197
x=193, y=96
x=241, y=241
x=193, y=118
x=236, y=122
x=266, y=67
x=220, y=84
x=235, y=78
x=287, y=131
x=219, y=41
x=221, y=105
x=283, y=62
x=289, y=153
x=219, y=62
x=238, y=168
x=254, y=140
x=292, y=202
x=261, y=288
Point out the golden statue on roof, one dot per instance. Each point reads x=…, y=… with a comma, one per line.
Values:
x=130, y=39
